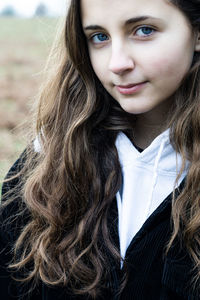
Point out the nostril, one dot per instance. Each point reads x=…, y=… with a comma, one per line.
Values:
x=121, y=65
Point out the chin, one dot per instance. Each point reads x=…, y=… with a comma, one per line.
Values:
x=135, y=110
x=140, y=105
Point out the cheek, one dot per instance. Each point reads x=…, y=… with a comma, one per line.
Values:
x=162, y=67
x=171, y=64
x=98, y=64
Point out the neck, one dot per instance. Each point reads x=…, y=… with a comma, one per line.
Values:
x=149, y=125
x=144, y=134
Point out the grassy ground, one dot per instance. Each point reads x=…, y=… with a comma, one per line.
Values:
x=25, y=44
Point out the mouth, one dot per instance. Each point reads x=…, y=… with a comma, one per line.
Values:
x=130, y=88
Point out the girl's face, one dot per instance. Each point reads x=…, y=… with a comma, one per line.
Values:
x=139, y=49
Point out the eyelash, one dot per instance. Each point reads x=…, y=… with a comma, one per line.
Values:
x=138, y=28
x=149, y=27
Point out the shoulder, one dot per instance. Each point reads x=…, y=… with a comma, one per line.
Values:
x=11, y=179
x=12, y=208
x=14, y=215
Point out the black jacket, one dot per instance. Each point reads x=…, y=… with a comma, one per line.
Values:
x=152, y=275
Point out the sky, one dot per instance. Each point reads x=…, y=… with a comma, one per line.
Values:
x=27, y=7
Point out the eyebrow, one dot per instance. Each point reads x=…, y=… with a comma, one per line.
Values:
x=128, y=22
x=139, y=19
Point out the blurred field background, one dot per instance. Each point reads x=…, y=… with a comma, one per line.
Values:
x=24, y=47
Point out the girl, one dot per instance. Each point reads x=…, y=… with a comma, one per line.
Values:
x=105, y=203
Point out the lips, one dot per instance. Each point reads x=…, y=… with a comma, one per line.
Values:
x=129, y=85
x=130, y=88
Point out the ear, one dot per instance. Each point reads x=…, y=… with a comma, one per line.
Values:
x=197, y=44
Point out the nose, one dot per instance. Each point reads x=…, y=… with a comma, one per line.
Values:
x=120, y=61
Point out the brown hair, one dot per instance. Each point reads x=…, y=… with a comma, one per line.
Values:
x=70, y=188
x=185, y=137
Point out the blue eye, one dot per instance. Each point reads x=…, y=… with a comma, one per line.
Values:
x=144, y=31
x=99, y=38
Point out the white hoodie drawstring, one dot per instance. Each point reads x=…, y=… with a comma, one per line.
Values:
x=155, y=176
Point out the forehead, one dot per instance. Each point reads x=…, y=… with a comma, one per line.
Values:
x=98, y=11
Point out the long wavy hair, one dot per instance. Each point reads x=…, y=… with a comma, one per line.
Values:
x=70, y=184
